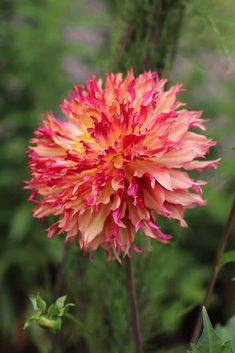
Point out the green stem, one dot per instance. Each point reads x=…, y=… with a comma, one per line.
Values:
x=220, y=250
x=87, y=332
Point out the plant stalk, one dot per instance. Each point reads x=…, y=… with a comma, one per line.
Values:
x=133, y=307
x=220, y=250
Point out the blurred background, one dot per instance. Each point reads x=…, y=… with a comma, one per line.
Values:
x=46, y=46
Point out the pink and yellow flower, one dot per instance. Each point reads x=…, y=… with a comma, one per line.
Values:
x=117, y=158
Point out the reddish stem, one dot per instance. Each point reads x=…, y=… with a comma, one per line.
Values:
x=133, y=307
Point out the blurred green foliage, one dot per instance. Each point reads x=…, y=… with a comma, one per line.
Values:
x=227, y=331
x=170, y=279
x=31, y=50
x=146, y=34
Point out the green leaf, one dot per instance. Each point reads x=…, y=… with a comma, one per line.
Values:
x=227, y=257
x=28, y=322
x=41, y=304
x=37, y=302
x=210, y=342
x=66, y=308
x=60, y=301
x=53, y=310
x=227, y=331
x=31, y=319
x=33, y=299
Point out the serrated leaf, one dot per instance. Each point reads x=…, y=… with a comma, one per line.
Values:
x=60, y=301
x=228, y=257
x=210, y=341
x=53, y=310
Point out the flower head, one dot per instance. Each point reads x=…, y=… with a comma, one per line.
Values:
x=118, y=157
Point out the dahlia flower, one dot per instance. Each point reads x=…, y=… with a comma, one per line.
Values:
x=118, y=158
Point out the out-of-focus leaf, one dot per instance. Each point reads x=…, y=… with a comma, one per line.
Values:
x=60, y=301
x=33, y=299
x=38, y=303
x=53, y=310
x=66, y=308
x=228, y=331
x=41, y=304
x=227, y=257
